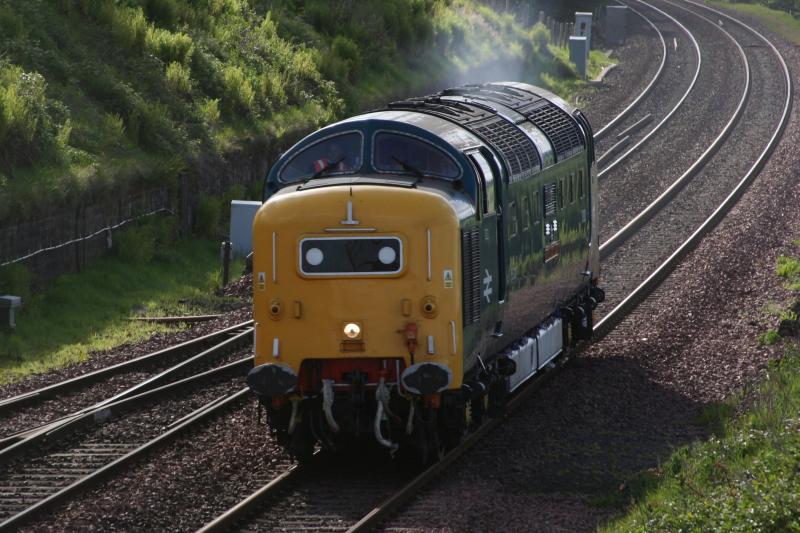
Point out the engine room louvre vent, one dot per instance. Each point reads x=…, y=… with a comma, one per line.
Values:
x=516, y=148
x=560, y=128
x=471, y=274
x=549, y=199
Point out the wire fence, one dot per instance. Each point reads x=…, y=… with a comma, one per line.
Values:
x=97, y=233
x=46, y=243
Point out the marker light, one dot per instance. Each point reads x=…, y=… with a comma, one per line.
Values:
x=314, y=256
x=387, y=255
x=352, y=331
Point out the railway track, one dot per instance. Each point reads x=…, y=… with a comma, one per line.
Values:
x=32, y=411
x=683, y=64
x=643, y=252
x=70, y=457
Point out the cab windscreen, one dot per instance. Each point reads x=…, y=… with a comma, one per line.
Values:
x=341, y=256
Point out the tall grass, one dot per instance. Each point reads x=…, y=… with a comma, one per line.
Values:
x=88, y=311
x=90, y=88
x=746, y=477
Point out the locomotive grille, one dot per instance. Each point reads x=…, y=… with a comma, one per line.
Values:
x=516, y=148
x=559, y=127
x=471, y=274
x=549, y=199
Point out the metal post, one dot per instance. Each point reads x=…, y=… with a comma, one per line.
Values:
x=225, y=250
x=578, y=53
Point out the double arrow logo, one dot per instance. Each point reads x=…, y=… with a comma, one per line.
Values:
x=487, y=291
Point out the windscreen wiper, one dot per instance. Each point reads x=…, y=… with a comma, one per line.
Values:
x=326, y=168
x=408, y=168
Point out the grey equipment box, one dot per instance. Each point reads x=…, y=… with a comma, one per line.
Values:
x=241, y=231
x=8, y=304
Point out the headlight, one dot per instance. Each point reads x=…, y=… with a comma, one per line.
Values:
x=352, y=331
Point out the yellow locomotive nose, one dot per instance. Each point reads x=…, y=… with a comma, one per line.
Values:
x=356, y=256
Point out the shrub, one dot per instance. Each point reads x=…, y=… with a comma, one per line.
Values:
x=146, y=239
x=11, y=25
x=129, y=25
x=271, y=89
x=179, y=78
x=15, y=279
x=163, y=12
x=540, y=36
x=136, y=244
x=168, y=46
x=239, y=94
x=113, y=127
x=208, y=109
x=27, y=130
x=347, y=51
x=769, y=338
x=207, y=217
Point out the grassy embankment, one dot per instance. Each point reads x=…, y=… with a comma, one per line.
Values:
x=780, y=22
x=746, y=477
x=98, y=96
x=88, y=311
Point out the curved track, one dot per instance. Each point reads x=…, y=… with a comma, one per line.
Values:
x=32, y=410
x=71, y=456
x=665, y=94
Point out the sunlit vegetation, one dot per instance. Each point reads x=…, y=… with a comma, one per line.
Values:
x=746, y=476
x=100, y=95
x=149, y=274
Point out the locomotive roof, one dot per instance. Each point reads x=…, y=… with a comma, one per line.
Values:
x=527, y=127
x=491, y=111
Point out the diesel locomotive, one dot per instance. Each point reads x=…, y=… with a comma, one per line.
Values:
x=414, y=265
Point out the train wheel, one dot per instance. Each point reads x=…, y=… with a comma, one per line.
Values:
x=428, y=444
x=302, y=442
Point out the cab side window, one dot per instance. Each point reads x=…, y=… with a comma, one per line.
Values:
x=486, y=183
x=526, y=213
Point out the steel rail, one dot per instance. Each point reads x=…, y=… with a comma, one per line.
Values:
x=198, y=416
x=101, y=410
x=68, y=385
x=602, y=132
x=644, y=216
x=255, y=502
x=674, y=109
x=252, y=503
x=148, y=384
x=658, y=275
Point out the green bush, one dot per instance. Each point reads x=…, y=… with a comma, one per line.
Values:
x=27, y=130
x=239, y=94
x=15, y=279
x=129, y=25
x=789, y=269
x=179, y=78
x=168, y=46
x=146, y=239
x=163, y=12
x=208, y=110
x=540, y=37
x=136, y=244
x=207, y=217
